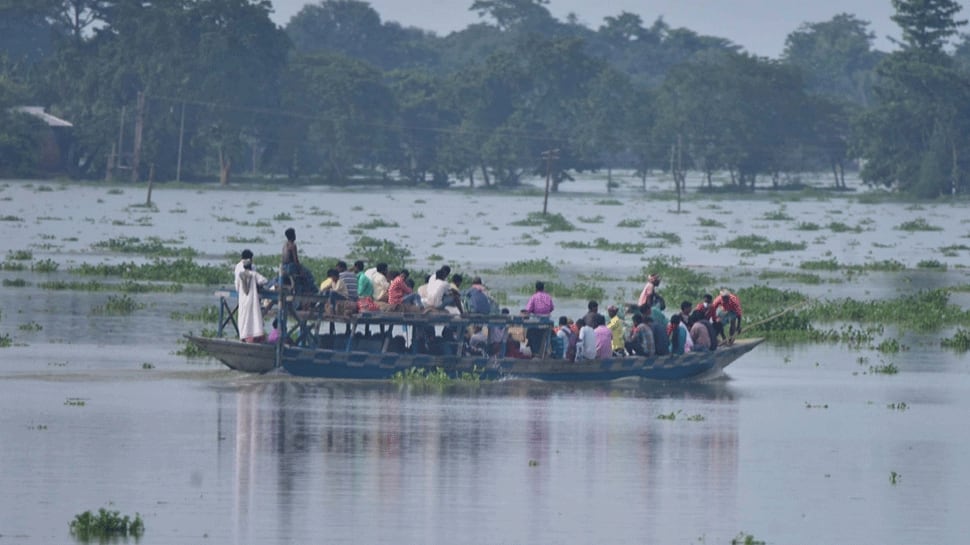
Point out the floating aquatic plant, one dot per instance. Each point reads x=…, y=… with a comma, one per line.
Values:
x=885, y=369
x=123, y=304
x=436, y=377
x=535, y=267
x=777, y=215
x=106, y=525
x=960, y=341
x=746, y=539
x=918, y=224
x=152, y=247
x=761, y=245
x=548, y=222
x=373, y=250
x=606, y=245
x=44, y=265
x=931, y=264
x=377, y=223
x=30, y=326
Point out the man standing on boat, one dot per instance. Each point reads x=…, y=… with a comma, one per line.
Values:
x=250, y=318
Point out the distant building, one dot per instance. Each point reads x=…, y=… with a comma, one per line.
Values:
x=54, y=141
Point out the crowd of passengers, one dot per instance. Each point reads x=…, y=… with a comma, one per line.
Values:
x=697, y=327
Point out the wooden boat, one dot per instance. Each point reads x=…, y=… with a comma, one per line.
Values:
x=377, y=345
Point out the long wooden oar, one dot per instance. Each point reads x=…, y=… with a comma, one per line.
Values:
x=776, y=316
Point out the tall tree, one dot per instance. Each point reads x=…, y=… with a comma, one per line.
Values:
x=510, y=14
x=927, y=24
x=836, y=57
x=915, y=137
x=343, y=116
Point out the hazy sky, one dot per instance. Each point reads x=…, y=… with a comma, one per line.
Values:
x=760, y=26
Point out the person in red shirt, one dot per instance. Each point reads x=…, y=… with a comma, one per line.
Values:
x=727, y=308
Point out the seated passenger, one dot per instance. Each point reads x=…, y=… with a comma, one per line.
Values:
x=639, y=340
x=400, y=292
x=699, y=332
x=586, y=343
x=477, y=298
x=478, y=341
x=379, y=280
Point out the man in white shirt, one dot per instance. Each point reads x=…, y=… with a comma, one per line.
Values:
x=378, y=279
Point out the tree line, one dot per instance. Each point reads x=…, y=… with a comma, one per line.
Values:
x=193, y=89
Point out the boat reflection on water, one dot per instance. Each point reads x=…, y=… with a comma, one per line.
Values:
x=335, y=454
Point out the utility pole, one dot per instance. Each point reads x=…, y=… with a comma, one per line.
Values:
x=178, y=165
x=550, y=156
x=139, y=127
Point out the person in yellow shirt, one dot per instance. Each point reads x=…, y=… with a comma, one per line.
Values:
x=615, y=325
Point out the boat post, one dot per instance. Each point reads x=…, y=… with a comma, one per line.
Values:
x=281, y=319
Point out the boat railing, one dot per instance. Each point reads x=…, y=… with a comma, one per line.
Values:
x=315, y=321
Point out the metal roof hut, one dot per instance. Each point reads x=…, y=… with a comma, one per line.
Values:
x=54, y=141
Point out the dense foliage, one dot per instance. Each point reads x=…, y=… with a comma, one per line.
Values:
x=206, y=89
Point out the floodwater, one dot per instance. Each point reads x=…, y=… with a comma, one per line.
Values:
x=794, y=445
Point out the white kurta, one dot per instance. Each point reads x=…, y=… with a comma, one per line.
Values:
x=250, y=315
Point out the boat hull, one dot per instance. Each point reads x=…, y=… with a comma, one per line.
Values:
x=326, y=363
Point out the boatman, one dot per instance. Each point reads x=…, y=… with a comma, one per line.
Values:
x=250, y=318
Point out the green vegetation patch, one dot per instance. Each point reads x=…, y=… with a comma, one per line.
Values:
x=799, y=277
x=918, y=224
x=15, y=283
x=960, y=341
x=579, y=290
x=192, y=351
x=182, y=270
x=127, y=286
x=931, y=264
x=45, y=266
x=839, y=227
x=119, y=305
x=106, y=525
x=761, y=245
x=152, y=247
x=807, y=226
x=436, y=377
x=549, y=222
x=777, y=215
x=20, y=255
x=606, y=245
x=536, y=267
x=377, y=223
x=373, y=250
x=706, y=222
x=921, y=311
